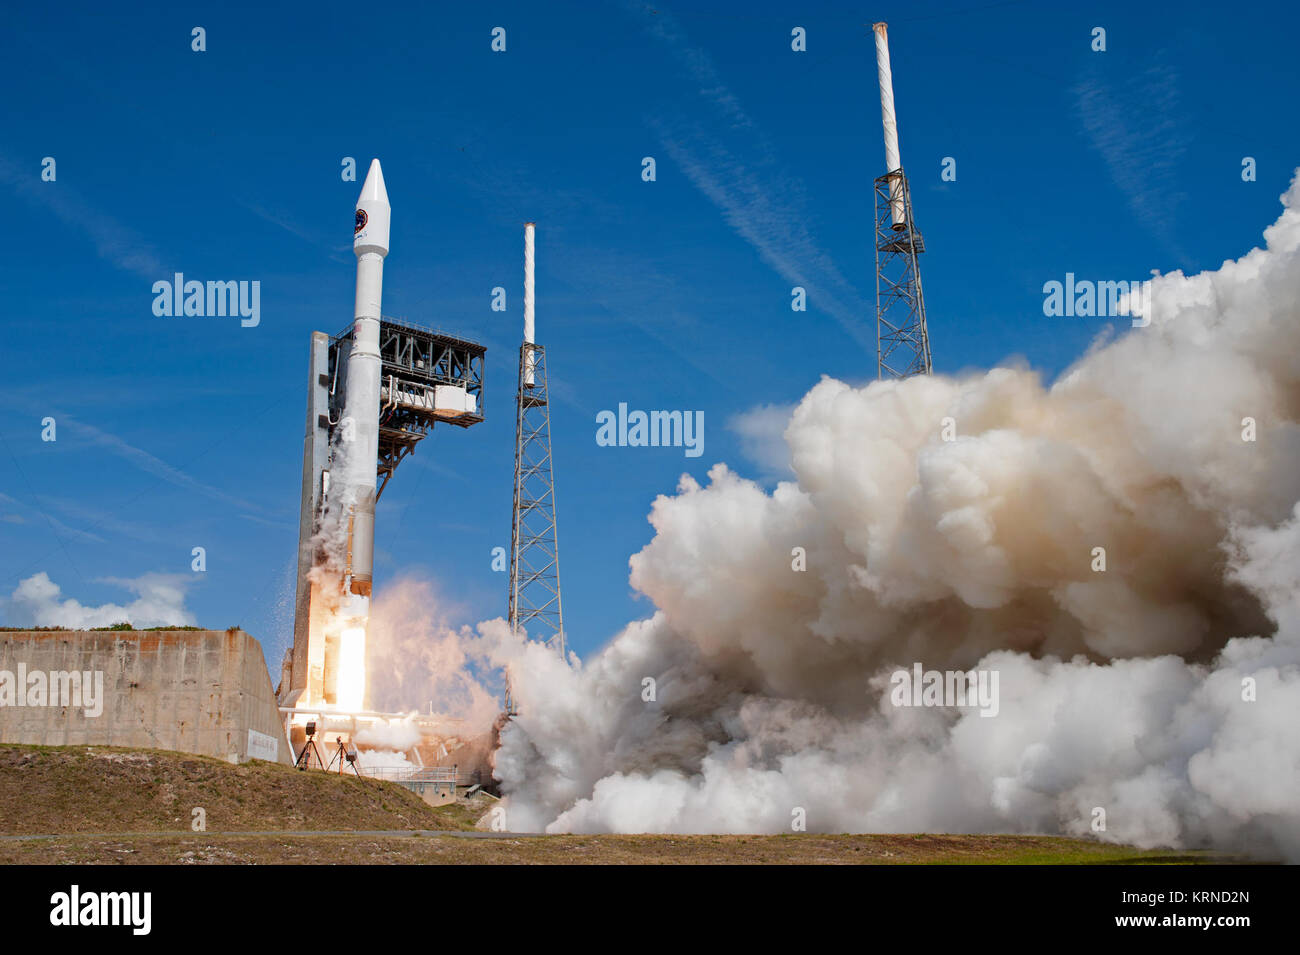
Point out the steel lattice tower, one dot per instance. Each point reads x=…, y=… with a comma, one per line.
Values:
x=534, y=543
x=902, y=339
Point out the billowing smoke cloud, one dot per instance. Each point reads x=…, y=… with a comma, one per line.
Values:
x=397, y=734
x=1121, y=547
x=382, y=758
x=160, y=602
x=416, y=662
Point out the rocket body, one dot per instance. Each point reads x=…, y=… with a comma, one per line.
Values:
x=892, y=160
x=360, y=439
x=329, y=659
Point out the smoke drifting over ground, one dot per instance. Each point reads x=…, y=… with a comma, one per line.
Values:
x=1125, y=689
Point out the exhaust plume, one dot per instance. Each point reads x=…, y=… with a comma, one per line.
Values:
x=1122, y=548
x=416, y=662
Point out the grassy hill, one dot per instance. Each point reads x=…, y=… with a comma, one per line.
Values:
x=109, y=806
x=71, y=789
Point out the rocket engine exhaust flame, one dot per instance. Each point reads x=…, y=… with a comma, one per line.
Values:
x=351, y=692
x=1122, y=548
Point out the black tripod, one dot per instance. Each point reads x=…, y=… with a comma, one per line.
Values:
x=347, y=754
x=309, y=750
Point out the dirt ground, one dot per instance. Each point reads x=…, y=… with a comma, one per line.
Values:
x=102, y=805
x=447, y=849
x=46, y=789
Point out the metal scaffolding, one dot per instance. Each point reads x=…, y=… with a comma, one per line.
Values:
x=534, y=545
x=415, y=363
x=415, y=360
x=902, y=339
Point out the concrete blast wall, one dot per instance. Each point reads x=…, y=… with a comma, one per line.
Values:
x=191, y=691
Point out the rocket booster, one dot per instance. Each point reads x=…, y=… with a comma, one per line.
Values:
x=361, y=400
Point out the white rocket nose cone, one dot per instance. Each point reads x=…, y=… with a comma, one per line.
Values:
x=373, y=214
x=373, y=190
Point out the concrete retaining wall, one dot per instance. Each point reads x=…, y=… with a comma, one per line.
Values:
x=191, y=691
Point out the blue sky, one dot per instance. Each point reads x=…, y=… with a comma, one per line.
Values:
x=675, y=294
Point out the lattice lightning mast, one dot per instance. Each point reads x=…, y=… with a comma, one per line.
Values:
x=902, y=339
x=535, y=603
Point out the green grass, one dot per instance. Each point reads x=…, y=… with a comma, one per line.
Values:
x=327, y=848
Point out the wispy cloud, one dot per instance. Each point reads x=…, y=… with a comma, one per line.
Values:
x=102, y=520
x=286, y=223
x=626, y=287
x=1136, y=125
x=151, y=464
x=761, y=201
x=118, y=244
x=54, y=523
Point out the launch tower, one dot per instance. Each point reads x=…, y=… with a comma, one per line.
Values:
x=902, y=339
x=535, y=603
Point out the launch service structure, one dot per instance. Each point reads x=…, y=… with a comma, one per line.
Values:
x=902, y=338
x=375, y=391
x=535, y=604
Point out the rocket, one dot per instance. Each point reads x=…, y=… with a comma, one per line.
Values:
x=892, y=161
x=361, y=399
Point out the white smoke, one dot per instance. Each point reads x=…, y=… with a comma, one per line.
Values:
x=416, y=661
x=331, y=540
x=1162, y=689
x=160, y=602
x=398, y=734
x=383, y=759
x=762, y=438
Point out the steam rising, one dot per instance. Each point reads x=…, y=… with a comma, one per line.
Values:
x=1121, y=689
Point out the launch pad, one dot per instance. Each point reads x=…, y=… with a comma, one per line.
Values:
x=426, y=377
x=374, y=392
